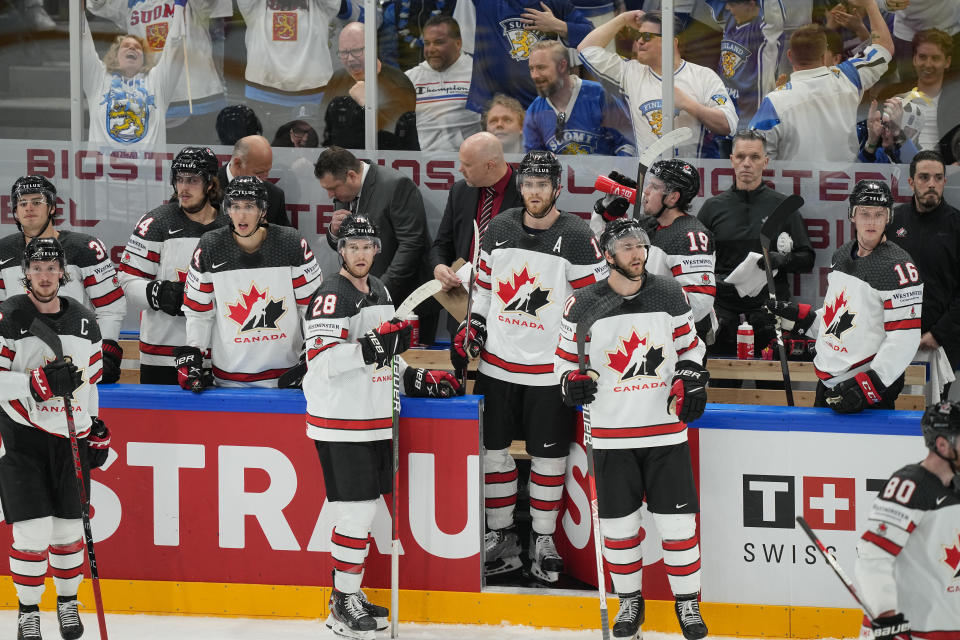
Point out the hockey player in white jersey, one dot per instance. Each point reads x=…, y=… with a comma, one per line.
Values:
x=153, y=270
x=351, y=337
x=247, y=290
x=38, y=489
x=644, y=382
x=908, y=560
x=92, y=277
x=869, y=327
x=530, y=261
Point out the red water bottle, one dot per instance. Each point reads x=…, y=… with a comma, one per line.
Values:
x=744, y=339
x=414, y=329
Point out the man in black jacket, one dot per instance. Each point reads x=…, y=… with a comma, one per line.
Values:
x=252, y=156
x=929, y=230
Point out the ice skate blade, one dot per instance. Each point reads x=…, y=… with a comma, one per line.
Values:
x=546, y=576
x=501, y=566
x=637, y=636
x=382, y=623
x=342, y=630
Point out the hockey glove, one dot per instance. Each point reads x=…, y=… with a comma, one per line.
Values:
x=891, y=628
x=801, y=315
x=429, y=383
x=380, y=344
x=166, y=296
x=112, y=357
x=777, y=260
x=292, y=378
x=649, y=223
x=468, y=344
x=58, y=379
x=98, y=443
x=579, y=387
x=611, y=207
x=688, y=393
x=856, y=393
x=189, y=364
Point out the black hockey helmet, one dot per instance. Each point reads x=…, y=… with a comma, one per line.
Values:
x=622, y=228
x=940, y=420
x=33, y=184
x=199, y=160
x=237, y=121
x=542, y=164
x=246, y=188
x=871, y=193
x=44, y=250
x=357, y=225
x=679, y=176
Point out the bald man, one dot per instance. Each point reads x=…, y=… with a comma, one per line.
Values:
x=487, y=184
x=252, y=156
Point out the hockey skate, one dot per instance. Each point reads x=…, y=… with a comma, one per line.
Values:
x=501, y=548
x=70, y=626
x=545, y=562
x=349, y=619
x=28, y=623
x=630, y=617
x=688, y=614
x=378, y=613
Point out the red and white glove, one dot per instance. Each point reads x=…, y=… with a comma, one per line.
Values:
x=98, y=443
x=579, y=388
x=389, y=339
x=57, y=379
x=429, y=383
x=468, y=342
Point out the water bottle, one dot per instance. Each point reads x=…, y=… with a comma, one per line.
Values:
x=744, y=339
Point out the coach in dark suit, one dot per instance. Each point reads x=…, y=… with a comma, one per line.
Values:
x=487, y=187
x=394, y=205
x=252, y=156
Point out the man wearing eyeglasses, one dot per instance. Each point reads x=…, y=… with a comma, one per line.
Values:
x=252, y=156
x=701, y=100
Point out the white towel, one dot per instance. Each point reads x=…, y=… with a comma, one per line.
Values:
x=939, y=373
x=748, y=278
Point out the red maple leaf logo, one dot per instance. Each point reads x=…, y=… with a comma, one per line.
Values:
x=238, y=312
x=181, y=275
x=619, y=359
x=831, y=311
x=507, y=290
x=952, y=556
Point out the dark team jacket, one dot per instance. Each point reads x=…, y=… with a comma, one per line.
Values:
x=92, y=276
x=933, y=240
x=21, y=352
x=735, y=217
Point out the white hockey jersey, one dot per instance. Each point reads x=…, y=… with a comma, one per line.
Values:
x=160, y=248
x=634, y=345
x=287, y=41
x=643, y=90
x=126, y=112
x=443, y=120
x=523, y=280
x=151, y=20
x=347, y=400
x=870, y=317
x=21, y=352
x=248, y=308
x=909, y=557
x=813, y=117
x=92, y=277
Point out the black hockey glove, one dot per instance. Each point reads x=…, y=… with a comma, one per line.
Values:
x=688, y=392
x=112, y=357
x=856, y=393
x=380, y=344
x=166, y=296
x=189, y=364
x=802, y=315
x=292, y=378
x=611, y=207
x=58, y=379
x=430, y=383
x=777, y=260
x=649, y=223
x=467, y=346
x=98, y=443
x=891, y=628
x=579, y=388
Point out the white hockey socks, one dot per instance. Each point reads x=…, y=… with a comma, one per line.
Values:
x=66, y=555
x=350, y=542
x=28, y=558
x=622, y=552
x=546, y=492
x=681, y=551
x=500, y=487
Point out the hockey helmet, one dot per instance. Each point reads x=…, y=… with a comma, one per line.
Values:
x=679, y=176
x=33, y=184
x=541, y=164
x=622, y=228
x=355, y=226
x=940, y=420
x=871, y=193
x=246, y=188
x=199, y=160
x=44, y=250
x=237, y=121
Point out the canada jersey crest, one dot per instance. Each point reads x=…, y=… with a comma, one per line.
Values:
x=256, y=310
x=635, y=357
x=837, y=317
x=523, y=293
x=951, y=557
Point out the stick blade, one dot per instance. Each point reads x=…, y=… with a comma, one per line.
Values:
x=419, y=295
x=774, y=222
x=669, y=140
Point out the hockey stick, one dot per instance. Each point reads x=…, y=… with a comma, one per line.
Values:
x=462, y=375
x=186, y=60
x=844, y=578
x=672, y=139
x=417, y=297
x=47, y=336
x=395, y=520
x=772, y=225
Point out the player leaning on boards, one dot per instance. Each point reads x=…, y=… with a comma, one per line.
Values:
x=38, y=488
x=351, y=338
x=92, y=278
x=869, y=327
x=155, y=263
x=644, y=355
x=531, y=259
x=906, y=560
x=247, y=290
